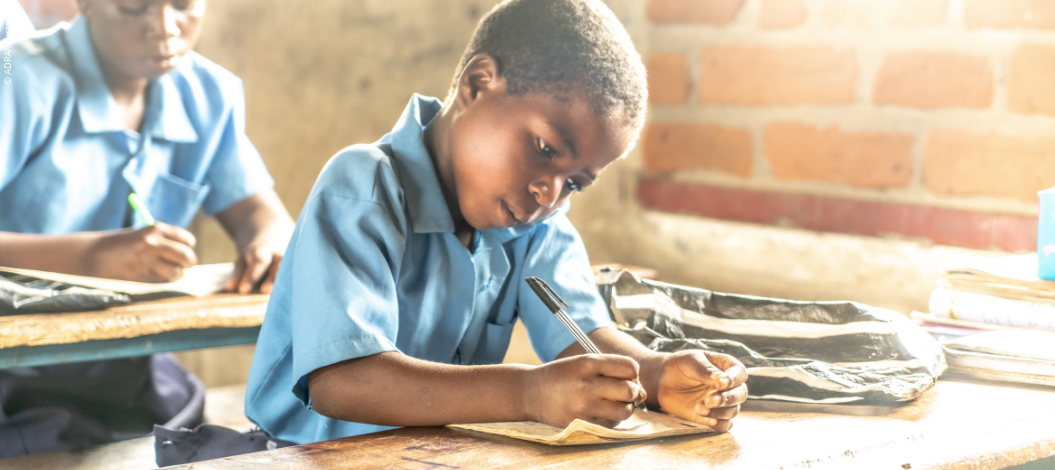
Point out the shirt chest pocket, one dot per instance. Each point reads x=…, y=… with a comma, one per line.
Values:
x=174, y=200
x=495, y=341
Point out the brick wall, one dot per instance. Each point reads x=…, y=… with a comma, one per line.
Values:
x=931, y=119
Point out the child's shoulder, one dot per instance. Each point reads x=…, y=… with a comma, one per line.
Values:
x=37, y=65
x=363, y=172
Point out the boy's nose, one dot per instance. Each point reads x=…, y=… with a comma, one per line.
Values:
x=546, y=192
x=164, y=23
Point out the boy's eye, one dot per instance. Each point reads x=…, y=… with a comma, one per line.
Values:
x=184, y=5
x=133, y=7
x=545, y=149
x=571, y=185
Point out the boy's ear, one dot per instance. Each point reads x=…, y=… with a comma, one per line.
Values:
x=480, y=76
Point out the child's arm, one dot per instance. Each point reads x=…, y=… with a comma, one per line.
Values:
x=260, y=228
x=151, y=254
x=699, y=386
x=397, y=390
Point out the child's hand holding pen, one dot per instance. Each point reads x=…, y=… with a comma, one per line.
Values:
x=699, y=386
x=598, y=388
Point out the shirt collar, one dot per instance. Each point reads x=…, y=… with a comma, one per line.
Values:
x=421, y=185
x=165, y=116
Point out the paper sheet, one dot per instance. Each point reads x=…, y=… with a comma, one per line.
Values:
x=1014, y=342
x=197, y=281
x=641, y=425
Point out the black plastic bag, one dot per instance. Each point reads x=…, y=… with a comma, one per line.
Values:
x=811, y=352
x=20, y=295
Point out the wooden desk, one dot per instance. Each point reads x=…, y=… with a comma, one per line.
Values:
x=956, y=425
x=132, y=330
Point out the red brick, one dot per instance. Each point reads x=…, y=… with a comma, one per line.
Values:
x=934, y=80
x=711, y=12
x=872, y=13
x=1009, y=14
x=957, y=162
x=833, y=214
x=919, y=13
x=1031, y=80
x=781, y=14
x=870, y=159
x=758, y=75
x=668, y=78
x=670, y=146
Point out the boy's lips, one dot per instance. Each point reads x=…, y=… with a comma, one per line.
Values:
x=511, y=214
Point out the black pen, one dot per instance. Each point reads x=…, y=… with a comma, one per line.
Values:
x=553, y=303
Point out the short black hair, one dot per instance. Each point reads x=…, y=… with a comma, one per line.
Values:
x=559, y=47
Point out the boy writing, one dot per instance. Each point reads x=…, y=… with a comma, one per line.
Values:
x=399, y=290
x=118, y=102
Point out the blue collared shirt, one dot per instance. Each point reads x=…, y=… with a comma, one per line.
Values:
x=67, y=161
x=374, y=266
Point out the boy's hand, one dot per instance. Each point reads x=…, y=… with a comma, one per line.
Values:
x=157, y=253
x=598, y=388
x=257, y=265
x=703, y=387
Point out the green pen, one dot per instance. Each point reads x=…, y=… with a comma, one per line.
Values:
x=140, y=208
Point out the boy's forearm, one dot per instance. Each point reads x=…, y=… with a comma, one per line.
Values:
x=393, y=389
x=55, y=253
x=612, y=341
x=258, y=217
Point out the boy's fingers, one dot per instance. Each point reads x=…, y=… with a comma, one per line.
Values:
x=176, y=253
x=728, y=412
x=175, y=233
x=703, y=370
x=619, y=367
x=722, y=425
x=256, y=267
x=619, y=390
x=272, y=273
x=732, y=369
x=606, y=410
x=727, y=398
x=608, y=423
x=239, y=269
x=165, y=272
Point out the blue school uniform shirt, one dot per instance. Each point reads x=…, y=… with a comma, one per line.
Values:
x=374, y=266
x=68, y=162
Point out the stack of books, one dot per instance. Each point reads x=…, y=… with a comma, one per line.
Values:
x=976, y=295
x=999, y=291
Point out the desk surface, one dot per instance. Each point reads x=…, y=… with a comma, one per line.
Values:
x=140, y=328
x=955, y=425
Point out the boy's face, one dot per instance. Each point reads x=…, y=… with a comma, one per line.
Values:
x=143, y=38
x=516, y=159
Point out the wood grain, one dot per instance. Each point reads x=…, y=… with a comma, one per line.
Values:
x=138, y=319
x=956, y=425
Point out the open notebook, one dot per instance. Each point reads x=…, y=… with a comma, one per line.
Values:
x=199, y=280
x=641, y=425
